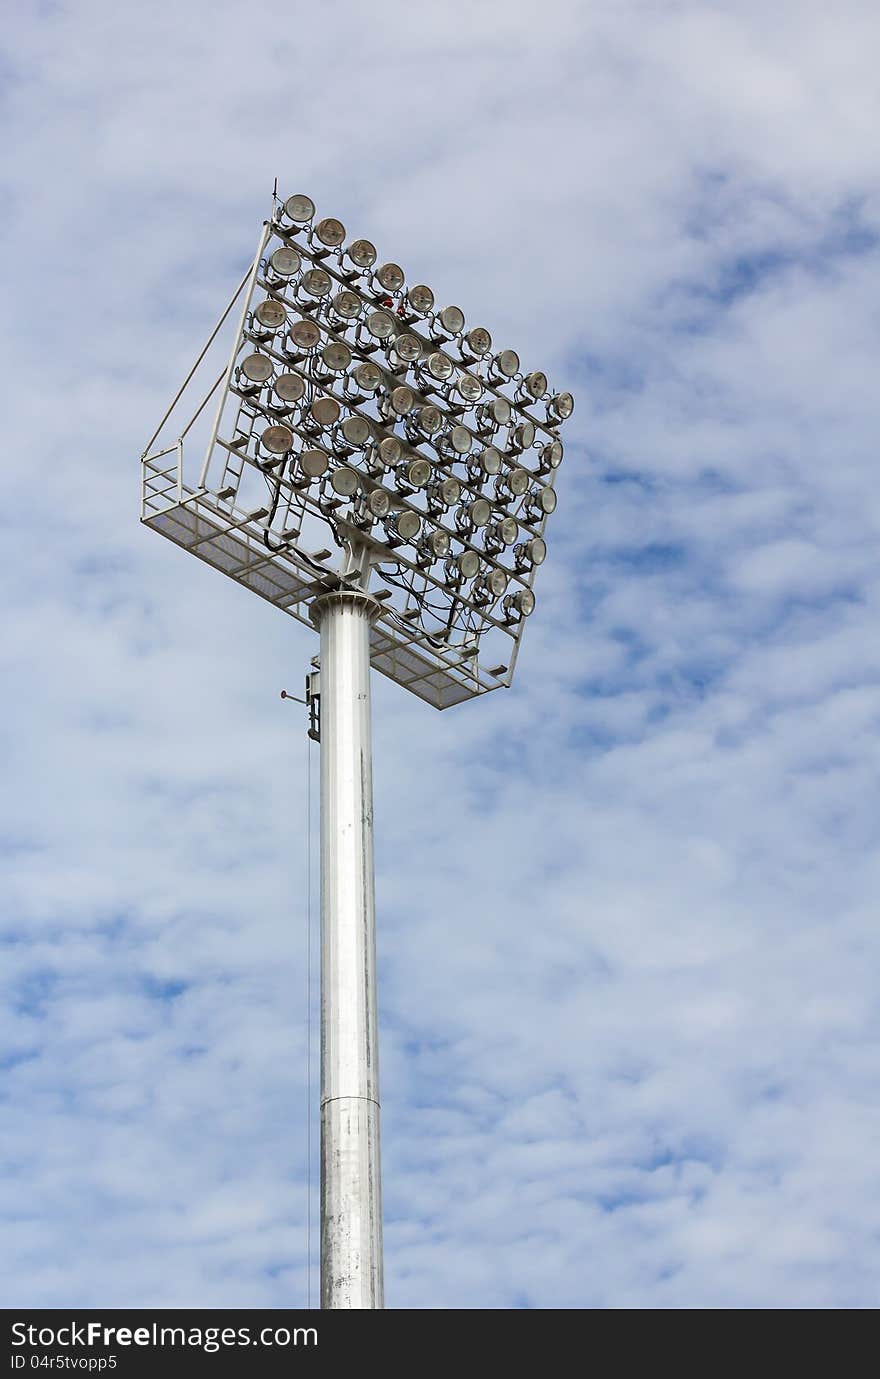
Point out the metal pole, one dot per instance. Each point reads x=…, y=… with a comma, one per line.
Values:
x=351, y=1195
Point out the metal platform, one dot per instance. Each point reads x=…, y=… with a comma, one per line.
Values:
x=232, y=542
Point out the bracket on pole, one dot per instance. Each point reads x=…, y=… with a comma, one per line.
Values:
x=313, y=700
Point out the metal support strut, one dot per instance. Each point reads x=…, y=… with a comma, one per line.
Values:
x=351, y=1197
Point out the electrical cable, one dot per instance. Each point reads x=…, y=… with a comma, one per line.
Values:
x=456, y=608
x=282, y=545
x=276, y=496
x=309, y=1025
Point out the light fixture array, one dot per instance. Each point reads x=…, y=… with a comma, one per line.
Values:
x=368, y=407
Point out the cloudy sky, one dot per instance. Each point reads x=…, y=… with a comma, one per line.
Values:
x=628, y=908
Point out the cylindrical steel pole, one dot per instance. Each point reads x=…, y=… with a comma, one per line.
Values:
x=351, y=1194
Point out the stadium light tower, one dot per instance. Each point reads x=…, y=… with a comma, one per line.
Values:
x=354, y=416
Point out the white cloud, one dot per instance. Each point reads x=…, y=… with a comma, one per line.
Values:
x=627, y=909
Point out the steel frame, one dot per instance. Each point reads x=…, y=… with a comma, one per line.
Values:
x=275, y=548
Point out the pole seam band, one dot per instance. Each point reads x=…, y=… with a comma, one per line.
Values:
x=325, y=1101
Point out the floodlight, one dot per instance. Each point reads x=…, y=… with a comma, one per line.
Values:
x=391, y=276
x=344, y=481
x=330, y=232
x=474, y=514
x=380, y=324
x=285, y=262
x=257, y=367
x=316, y=282
x=450, y=491
x=356, y=431
x=542, y=502
x=489, y=460
x=491, y=586
x=515, y=482
x=289, y=387
x=467, y=565
x=428, y=419
x=271, y=314
x=469, y=387
x=299, y=208
x=414, y=473
x=520, y=604
x=362, y=253
x=524, y=436
x=420, y=298
x=505, y=364
x=408, y=347
x=314, y=463
x=461, y=440
x=277, y=439
x=479, y=340
x=439, y=366
x=336, y=356
x=347, y=305
x=533, y=386
x=551, y=455
x=537, y=549
x=402, y=400
x=451, y=318
x=304, y=334
x=435, y=545
x=444, y=493
x=560, y=406
x=532, y=552
x=368, y=377
x=503, y=532
x=325, y=410
x=379, y=503
x=494, y=413
x=406, y=525
x=390, y=451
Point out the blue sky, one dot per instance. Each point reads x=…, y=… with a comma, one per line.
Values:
x=627, y=909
